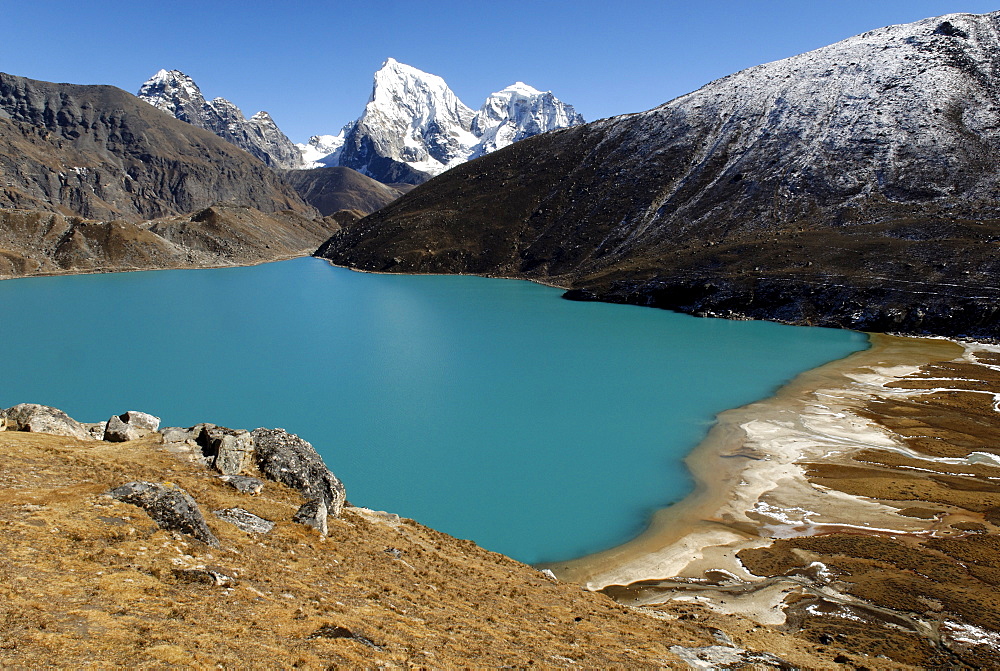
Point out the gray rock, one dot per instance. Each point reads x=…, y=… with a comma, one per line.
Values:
x=335, y=631
x=117, y=431
x=129, y=426
x=42, y=419
x=288, y=459
x=229, y=449
x=245, y=520
x=172, y=508
x=313, y=514
x=728, y=657
x=141, y=420
x=176, y=434
x=204, y=576
x=244, y=484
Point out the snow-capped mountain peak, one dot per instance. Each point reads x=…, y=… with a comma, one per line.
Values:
x=517, y=112
x=414, y=126
x=412, y=118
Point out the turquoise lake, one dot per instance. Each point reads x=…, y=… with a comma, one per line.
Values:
x=489, y=409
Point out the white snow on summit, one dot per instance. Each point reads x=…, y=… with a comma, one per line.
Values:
x=517, y=112
x=415, y=127
x=322, y=150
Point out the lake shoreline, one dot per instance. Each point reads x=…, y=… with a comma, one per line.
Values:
x=752, y=486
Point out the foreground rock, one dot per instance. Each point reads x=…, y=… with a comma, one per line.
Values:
x=850, y=186
x=42, y=419
x=171, y=508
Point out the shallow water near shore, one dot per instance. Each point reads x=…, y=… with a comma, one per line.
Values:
x=489, y=409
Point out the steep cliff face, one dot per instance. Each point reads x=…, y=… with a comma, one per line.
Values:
x=176, y=94
x=854, y=185
x=98, y=152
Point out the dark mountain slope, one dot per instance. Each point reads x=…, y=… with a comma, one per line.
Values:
x=856, y=185
x=99, y=152
x=330, y=190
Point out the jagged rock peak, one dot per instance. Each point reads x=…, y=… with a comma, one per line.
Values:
x=177, y=94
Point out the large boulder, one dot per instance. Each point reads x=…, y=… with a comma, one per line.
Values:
x=172, y=508
x=286, y=458
x=228, y=449
x=129, y=426
x=140, y=420
x=42, y=419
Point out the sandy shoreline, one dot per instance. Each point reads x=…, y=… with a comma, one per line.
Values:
x=752, y=486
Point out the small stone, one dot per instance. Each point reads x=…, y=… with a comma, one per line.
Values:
x=172, y=508
x=313, y=514
x=244, y=520
x=244, y=484
x=335, y=631
x=204, y=576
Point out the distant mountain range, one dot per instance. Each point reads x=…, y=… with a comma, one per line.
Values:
x=852, y=186
x=413, y=127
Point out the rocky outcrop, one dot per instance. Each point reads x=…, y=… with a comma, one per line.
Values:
x=228, y=450
x=243, y=484
x=171, y=508
x=850, y=186
x=286, y=458
x=313, y=514
x=101, y=153
x=36, y=418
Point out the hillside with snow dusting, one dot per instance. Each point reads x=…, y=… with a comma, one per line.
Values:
x=855, y=185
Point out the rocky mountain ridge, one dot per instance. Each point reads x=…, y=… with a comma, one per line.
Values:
x=851, y=186
x=34, y=242
x=412, y=128
x=176, y=94
x=98, y=152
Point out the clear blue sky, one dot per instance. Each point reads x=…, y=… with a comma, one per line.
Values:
x=310, y=64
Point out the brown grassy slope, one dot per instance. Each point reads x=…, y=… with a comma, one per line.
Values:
x=87, y=579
